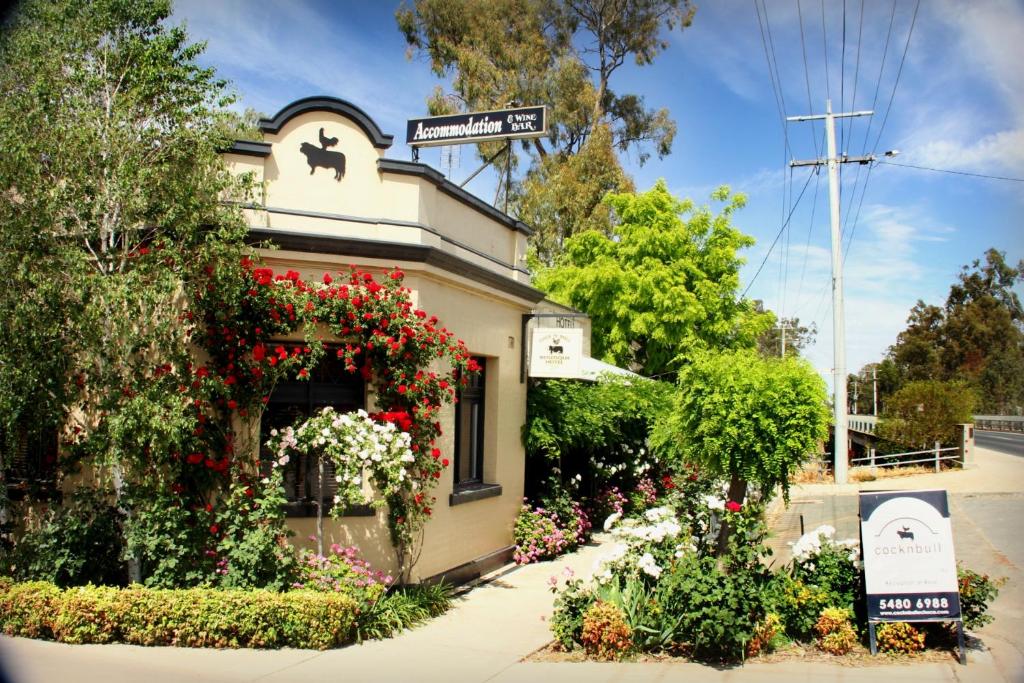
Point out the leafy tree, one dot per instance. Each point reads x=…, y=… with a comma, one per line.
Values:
x=111, y=190
x=927, y=411
x=594, y=429
x=918, y=348
x=564, y=54
x=664, y=286
x=747, y=418
x=977, y=337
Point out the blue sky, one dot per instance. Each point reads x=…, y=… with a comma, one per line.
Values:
x=959, y=105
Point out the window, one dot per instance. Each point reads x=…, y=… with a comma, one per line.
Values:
x=328, y=385
x=469, y=430
x=32, y=472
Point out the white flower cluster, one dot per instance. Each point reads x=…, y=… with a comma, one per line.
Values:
x=810, y=544
x=637, y=543
x=354, y=443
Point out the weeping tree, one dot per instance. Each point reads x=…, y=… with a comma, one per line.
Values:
x=747, y=418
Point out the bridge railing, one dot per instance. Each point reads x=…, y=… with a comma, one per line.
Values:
x=936, y=455
x=1000, y=423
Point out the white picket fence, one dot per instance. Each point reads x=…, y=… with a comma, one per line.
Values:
x=936, y=455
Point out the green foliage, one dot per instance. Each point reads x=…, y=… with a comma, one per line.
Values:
x=720, y=610
x=976, y=592
x=835, y=573
x=198, y=617
x=899, y=636
x=926, y=411
x=977, y=337
x=798, y=604
x=664, y=287
x=404, y=607
x=571, y=604
x=203, y=617
x=597, y=431
x=745, y=417
x=252, y=547
x=527, y=51
x=174, y=543
x=113, y=187
x=75, y=544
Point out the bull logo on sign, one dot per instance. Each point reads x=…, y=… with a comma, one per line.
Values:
x=556, y=345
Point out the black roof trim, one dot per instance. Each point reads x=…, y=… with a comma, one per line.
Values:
x=396, y=251
x=249, y=148
x=451, y=189
x=331, y=104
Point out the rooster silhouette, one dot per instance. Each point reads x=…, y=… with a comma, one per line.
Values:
x=325, y=141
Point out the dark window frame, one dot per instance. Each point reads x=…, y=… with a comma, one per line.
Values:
x=473, y=395
x=328, y=385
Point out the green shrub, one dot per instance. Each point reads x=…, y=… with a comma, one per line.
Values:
x=77, y=543
x=28, y=609
x=403, y=608
x=720, y=611
x=976, y=592
x=197, y=617
x=797, y=603
x=899, y=636
x=567, y=619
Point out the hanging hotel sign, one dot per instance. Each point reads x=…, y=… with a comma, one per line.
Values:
x=524, y=122
x=909, y=567
x=556, y=352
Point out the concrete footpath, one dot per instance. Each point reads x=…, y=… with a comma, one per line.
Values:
x=495, y=625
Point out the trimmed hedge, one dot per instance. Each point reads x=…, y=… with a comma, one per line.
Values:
x=197, y=617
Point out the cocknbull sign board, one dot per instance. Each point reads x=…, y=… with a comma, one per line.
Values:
x=909, y=564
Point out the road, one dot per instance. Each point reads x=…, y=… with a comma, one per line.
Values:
x=1004, y=442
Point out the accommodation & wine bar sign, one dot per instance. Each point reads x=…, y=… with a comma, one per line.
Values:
x=503, y=124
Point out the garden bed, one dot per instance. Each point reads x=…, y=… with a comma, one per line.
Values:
x=859, y=656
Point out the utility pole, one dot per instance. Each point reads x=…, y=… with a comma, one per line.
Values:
x=855, y=395
x=838, y=320
x=782, y=342
x=874, y=391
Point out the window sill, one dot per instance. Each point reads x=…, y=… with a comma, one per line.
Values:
x=467, y=493
x=304, y=509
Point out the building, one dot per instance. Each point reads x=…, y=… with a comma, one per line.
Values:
x=331, y=198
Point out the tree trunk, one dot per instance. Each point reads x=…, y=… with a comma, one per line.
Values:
x=320, y=507
x=737, y=492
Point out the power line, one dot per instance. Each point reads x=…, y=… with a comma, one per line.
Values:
x=899, y=72
x=779, y=234
x=874, y=102
x=807, y=77
x=810, y=229
x=824, y=42
x=842, y=79
x=856, y=74
x=780, y=102
x=856, y=219
x=946, y=170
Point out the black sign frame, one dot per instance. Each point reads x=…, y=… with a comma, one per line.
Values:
x=458, y=129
